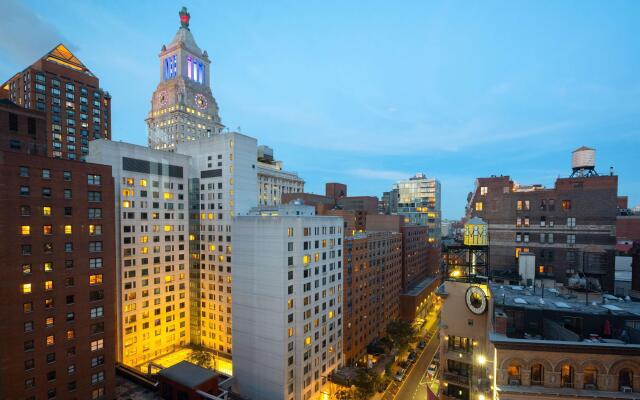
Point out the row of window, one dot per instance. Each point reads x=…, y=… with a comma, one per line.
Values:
x=544, y=238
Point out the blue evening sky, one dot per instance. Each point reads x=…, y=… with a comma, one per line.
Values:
x=369, y=92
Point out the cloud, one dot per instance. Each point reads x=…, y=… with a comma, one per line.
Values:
x=26, y=36
x=379, y=174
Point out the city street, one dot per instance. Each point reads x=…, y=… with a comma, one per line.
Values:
x=414, y=386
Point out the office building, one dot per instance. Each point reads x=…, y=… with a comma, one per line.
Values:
x=152, y=238
x=273, y=181
x=570, y=228
x=76, y=108
x=287, y=302
x=419, y=202
x=57, y=284
x=182, y=106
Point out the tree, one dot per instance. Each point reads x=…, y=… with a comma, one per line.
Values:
x=201, y=357
x=366, y=383
x=401, y=333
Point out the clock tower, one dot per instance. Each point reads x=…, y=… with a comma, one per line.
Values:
x=182, y=106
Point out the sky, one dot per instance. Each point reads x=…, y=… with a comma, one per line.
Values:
x=371, y=92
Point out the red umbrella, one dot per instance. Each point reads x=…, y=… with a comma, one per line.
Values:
x=606, y=330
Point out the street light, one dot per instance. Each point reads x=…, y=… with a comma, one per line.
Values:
x=482, y=359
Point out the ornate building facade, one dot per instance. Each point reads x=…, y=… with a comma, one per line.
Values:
x=182, y=107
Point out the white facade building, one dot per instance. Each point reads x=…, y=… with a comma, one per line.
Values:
x=287, y=302
x=273, y=181
x=151, y=194
x=222, y=184
x=419, y=201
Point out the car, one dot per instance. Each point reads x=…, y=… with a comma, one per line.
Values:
x=400, y=375
x=422, y=344
x=412, y=356
x=432, y=369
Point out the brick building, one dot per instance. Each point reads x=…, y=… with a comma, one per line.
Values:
x=77, y=109
x=372, y=285
x=571, y=228
x=57, y=286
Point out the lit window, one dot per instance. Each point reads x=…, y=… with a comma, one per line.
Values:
x=46, y=211
x=330, y=314
x=67, y=229
x=25, y=230
x=97, y=345
x=26, y=288
x=210, y=216
x=306, y=259
x=48, y=267
x=128, y=181
x=566, y=204
x=95, y=229
x=127, y=192
x=307, y=340
x=49, y=322
x=144, y=250
x=48, y=285
x=290, y=232
x=483, y=190
x=51, y=340
x=70, y=334
x=290, y=332
x=47, y=229
x=126, y=204
x=478, y=206
x=168, y=195
x=143, y=182
x=168, y=228
x=95, y=279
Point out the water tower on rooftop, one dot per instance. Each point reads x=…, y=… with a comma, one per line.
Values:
x=583, y=162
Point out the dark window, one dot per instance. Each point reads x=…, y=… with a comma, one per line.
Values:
x=15, y=144
x=31, y=126
x=13, y=122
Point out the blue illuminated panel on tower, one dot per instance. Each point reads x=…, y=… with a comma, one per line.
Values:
x=170, y=67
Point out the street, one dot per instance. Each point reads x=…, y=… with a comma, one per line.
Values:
x=414, y=385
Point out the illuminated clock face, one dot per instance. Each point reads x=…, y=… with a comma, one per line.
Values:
x=201, y=101
x=476, y=300
x=162, y=98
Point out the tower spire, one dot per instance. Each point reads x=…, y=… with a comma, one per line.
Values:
x=184, y=17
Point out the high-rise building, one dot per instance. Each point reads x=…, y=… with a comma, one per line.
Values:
x=57, y=283
x=372, y=287
x=152, y=248
x=419, y=202
x=570, y=228
x=222, y=184
x=287, y=302
x=182, y=107
x=273, y=181
x=76, y=108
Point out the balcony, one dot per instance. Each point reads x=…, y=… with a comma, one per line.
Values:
x=460, y=355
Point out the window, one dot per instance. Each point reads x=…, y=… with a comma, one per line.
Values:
x=478, y=206
x=483, y=190
x=96, y=312
x=289, y=232
x=96, y=361
x=46, y=192
x=26, y=269
x=47, y=230
x=95, y=263
x=97, y=377
x=48, y=285
x=28, y=326
x=46, y=211
x=26, y=288
x=95, y=246
x=25, y=230
x=566, y=375
x=95, y=279
x=68, y=229
x=590, y=378
x=66, y=175
x=97, y=345
x=566, y=204
x=67, y=194
x=50, y=340
x=48, y=266
x=46, y=174
x=571, y=239
x=95, y=213
x=24, y=172
x=25, y=211
x=571, y=222
x=514, y=374
x=24, y=191
x=95, y=196
x=93, y=179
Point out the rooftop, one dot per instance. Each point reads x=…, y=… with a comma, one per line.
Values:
x=564, y=300
x=187, y=374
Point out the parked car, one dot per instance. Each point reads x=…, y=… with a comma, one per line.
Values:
x=431, y=371
x=412, y=356
x=400, y=374
x=422, y=344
